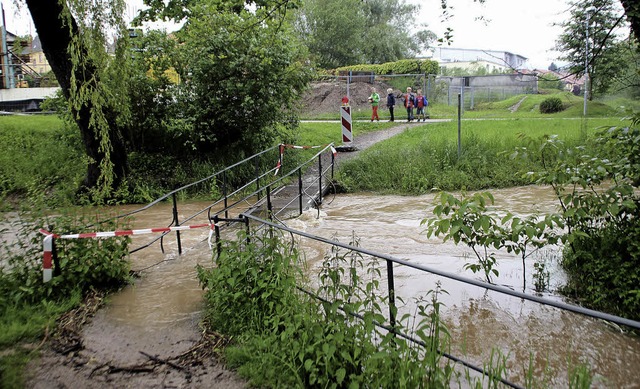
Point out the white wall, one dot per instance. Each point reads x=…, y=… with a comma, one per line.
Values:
x=17, y=94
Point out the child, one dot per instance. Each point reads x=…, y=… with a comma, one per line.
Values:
x=421, y=105
x=374, y=99
x=409, y=103
x=391, y=102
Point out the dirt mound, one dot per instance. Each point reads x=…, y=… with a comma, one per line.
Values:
x=326, y=97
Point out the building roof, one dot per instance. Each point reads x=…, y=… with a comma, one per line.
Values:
x=34, y=47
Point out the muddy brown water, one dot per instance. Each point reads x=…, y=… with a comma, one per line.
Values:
x=150, y=314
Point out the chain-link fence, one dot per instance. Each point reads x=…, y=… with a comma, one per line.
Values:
x=438, y=89
x=477, y=89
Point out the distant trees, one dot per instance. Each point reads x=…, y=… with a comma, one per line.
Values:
x=600, y=17
x=346, y=32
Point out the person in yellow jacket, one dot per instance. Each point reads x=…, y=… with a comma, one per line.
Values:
x=374, y=99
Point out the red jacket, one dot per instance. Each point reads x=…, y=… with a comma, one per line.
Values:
x=409, y=100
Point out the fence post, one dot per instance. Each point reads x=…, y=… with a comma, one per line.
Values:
x=320, y=179
x=177, y=223
x=47, y=258
x=459, y=123
x=392, y=296
x=300, y=189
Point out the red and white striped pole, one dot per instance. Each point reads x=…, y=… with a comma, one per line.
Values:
x=47, y=260
x=345, y=114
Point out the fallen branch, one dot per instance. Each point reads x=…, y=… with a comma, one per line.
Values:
x=166, y=362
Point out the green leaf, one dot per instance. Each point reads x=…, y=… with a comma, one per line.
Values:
x=340, y=374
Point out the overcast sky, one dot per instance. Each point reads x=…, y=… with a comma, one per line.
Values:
x=520, y=27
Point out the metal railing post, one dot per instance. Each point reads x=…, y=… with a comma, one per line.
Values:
x=257, y=178
x=224, y=192
x=320, y=179
x=217, y=233
x=333, y=163
x=300, y=189
x=177, y=223
x=392, y=296
x=246, y=223
x=269, y=206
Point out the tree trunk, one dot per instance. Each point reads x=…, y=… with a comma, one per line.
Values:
x=632, y=10
x=55, y=36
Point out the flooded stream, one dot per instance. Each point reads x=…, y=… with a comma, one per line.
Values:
x=478, y=320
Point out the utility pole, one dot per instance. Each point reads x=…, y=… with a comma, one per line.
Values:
x=586, y=63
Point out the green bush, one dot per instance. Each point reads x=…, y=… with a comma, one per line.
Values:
x=404, y=66
x=551, y=105
x=597, y=188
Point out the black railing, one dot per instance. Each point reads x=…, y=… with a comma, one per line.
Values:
x=231, y=198
x=391, y=291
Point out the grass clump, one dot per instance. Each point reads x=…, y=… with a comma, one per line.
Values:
x=551, y=105
x=39, y=158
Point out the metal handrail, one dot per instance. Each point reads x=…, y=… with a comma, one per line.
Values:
x=390, y=260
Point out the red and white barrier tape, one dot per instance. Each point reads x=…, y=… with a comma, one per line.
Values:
x=109, y=234
x=47, y=265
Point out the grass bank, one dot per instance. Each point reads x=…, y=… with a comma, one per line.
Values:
x=39, y=157
x=425, y=157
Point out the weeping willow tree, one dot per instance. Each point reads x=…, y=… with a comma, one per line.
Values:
x=75, y=35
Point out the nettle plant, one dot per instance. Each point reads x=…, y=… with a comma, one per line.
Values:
x=471, y=220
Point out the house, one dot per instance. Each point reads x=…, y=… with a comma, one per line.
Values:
x=570, y=82
x=503, y=58
x=486, y=67
x=34, y=62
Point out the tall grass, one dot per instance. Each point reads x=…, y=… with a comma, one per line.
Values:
x=39, y=157
x=425, y=158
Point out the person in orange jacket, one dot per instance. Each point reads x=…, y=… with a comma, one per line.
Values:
x=374, y=99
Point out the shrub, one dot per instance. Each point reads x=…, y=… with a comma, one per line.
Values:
x=551, y=105
x=405, y=66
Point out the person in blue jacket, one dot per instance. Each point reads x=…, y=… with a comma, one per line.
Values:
x=391, y=102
